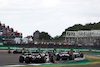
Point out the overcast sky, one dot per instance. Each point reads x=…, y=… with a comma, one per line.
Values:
x=52, y=16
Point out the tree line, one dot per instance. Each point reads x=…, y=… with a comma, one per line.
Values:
x=76, y=27
x=88, y=26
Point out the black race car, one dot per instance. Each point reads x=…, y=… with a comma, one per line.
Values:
x=16, y=51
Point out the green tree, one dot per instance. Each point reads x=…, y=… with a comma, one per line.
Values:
x=88, y=26
x=56, y=38
x=44, y=35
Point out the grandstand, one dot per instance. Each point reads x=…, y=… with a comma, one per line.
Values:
x=7, y=33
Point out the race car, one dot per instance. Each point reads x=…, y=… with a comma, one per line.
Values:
x=16, y=51
x=41, y=57
x=65, y=56
x=78, y=54
x=68, y=55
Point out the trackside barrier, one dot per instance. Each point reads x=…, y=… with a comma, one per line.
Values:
x=4, y=48
x=95, y=50
x=58, y=49
x=82, y=50
x=1, y=43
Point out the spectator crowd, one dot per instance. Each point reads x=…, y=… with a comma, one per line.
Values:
x=7, y=32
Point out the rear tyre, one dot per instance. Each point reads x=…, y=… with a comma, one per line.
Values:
x=71, y=57
x=43, y=59
x=27, y=60
x=9, y=52
x=52, y=59
x=21, y=59
x=58, y=57
x=81, y=55
x=14, y=52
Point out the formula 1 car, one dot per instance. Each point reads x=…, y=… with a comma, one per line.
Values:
x=65, y=56
x=41, y=57
x=68, y=55
x=16, y=51
x=78, y=54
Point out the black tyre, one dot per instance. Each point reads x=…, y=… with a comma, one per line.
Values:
x=81, y=55
x=27, y=60
x=64, y=58
x=9, y=52
x=50, y=55
x=52, y=59
x=21, y=59
x=58, y=57
x=71, y=57
x=43, y=59
x=14, y=52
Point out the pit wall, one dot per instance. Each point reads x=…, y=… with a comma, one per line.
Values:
x=58, y=49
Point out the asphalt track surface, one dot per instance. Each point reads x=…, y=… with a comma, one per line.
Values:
x=13, y=59
x=8, y=59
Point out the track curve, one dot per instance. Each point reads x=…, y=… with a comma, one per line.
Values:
x=13, y=59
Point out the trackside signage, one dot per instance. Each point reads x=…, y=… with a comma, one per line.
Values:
x=83, y=50
x=4, y=48
x=46, y=48
x=15, y=48
x=63, y=49
x=31, y=48
x=1, y=43
x=95, y=50
x=58, y=49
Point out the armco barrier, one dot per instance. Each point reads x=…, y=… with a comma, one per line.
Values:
x=61, y=49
